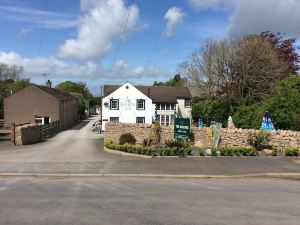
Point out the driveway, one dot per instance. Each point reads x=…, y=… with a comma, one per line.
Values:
x=79, y=150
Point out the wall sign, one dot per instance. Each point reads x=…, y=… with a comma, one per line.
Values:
x=182, y=128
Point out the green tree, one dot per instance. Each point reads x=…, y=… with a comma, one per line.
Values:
x=75, y=87
x=218, y=108
x=284, y=104
x=249, y=116
x=177, y=80
x=18, y=85
x=80, y=91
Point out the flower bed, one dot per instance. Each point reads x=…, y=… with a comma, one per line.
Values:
x=150, y=151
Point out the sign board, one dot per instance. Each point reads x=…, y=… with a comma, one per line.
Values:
x=217, y=134
x=182, y=128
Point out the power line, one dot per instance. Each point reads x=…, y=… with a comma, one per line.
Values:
x=155, y=45
x=124, y=27
x=43, y=27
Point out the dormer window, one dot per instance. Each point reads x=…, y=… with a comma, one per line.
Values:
x=114, y=104
x=140, y=104
x=187, y=103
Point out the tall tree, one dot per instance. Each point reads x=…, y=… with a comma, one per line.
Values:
x=75, y=87
x=287, y=49
x=259, y=68
x=177, y=80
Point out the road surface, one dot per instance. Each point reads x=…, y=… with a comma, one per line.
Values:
x=149, y=201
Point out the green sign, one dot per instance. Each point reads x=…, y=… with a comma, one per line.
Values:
x=182, y=128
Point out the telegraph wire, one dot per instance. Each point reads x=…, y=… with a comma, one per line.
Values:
x=124, y=27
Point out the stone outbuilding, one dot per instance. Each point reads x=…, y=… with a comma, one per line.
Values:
x=41, y=105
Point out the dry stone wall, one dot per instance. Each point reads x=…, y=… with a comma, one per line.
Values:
x=27, y=134
x=202, y=136
x=113, y=131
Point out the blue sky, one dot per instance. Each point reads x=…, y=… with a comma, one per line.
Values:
x=79, y=39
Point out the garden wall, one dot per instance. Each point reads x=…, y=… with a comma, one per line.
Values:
x=202, y=136
x=26, y=134
x=113, y=131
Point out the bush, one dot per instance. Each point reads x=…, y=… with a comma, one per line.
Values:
x=214, y=152
x=127, y=138
x=259, y=140
x=201, y=152
x=150, y=151
x=178, y=144
x=291, y=152
x=212, y=108
x=249, y=117
x=238, y=151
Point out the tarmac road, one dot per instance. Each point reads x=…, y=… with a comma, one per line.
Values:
x=108, y=201
x=79, y=150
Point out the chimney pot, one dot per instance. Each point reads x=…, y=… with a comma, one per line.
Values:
x=48, y=84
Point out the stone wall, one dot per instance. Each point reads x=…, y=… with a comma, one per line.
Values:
x=27, y=134
x=113, y=131
x=202, y=136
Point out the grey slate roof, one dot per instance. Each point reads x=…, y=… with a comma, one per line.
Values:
x=158, y=94
x=59, y=94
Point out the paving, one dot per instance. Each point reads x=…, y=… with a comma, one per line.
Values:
x=149, y=201
x=79, y=150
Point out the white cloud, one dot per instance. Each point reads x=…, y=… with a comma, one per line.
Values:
x=101, y=23
x=52, y=20
x=59, y=69
x=174, y=17
x=256, y=16
x=204, y=4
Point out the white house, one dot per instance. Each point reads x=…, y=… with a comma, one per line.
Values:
x=144, y=104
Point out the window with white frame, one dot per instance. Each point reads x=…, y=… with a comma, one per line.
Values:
x=114, y=119
x=172, y=106
x=187, y=103
x=140, y=120
x=140, y=104
x=172, y=119
x=114, y=104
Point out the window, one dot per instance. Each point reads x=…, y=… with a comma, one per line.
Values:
x=167, y=120
x=114, y=104
x=162, y=119
x=167, y=106
x=39, y=120
x=163, y=106
x=114, y=119
x=172, y=119
x=140, y=104
x=187, y=103
x=172, y=106
x=140, y=120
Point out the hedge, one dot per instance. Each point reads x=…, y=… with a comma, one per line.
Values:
x=150, y=151
x=238, y=151
x=291, y=152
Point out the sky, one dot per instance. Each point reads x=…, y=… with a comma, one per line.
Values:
x=114, y=41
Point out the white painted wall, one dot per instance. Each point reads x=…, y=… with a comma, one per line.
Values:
x=185, y=111
x=127, y=112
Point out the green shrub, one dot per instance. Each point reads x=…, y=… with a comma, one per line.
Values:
x=127, y=138
x=291, y=152
x=178, y=144
x=259, y=140
x=202, y=152
x=238, y=151
x=214, y=152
